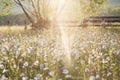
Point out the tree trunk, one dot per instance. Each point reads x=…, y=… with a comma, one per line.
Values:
x=27, y=15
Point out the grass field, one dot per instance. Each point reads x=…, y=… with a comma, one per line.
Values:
x=63, y=53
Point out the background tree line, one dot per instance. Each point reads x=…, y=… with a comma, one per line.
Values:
x=14, y=19
x=38, y=12
x=19, y=19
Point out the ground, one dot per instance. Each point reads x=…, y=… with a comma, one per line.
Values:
x=61, y=53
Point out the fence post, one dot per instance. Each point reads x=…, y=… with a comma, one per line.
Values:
x=8, y=25
x=25, y=25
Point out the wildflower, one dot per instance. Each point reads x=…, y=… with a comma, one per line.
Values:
x=65, y=71
x=46, y=68
x=101, y=54
x=97, y=76
x=14, y=66
x=104, y=61
x=29, y=50
x=5, y=58
x=24, y=54
x=82, y=61
x=6, y=47
x=46, y=64
x=1, y=62
x=77, y=55
x=36, y=63
x=53, y=62
x=46, y=78
x=17, y=54
x=4, y=71
x=91, y=78
x=38, y=54
x=1, y=36
x=35, y=78
x=116, y=52
x=104, y=46
x=1, y=66
x=26, y=64
x=108, y=58
x=76, y=68
x=68, y=76
x=45, y=58
x=60, y=79
x=22, y=75
x=3, y=77
x=54, y=78
x=108, y=74
x=38, y=76
x=51, y=73
x=41, y=66
x=89, y=61
x=87, y=69
x=24, y=78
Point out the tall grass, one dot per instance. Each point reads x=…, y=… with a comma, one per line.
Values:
x=35, y=55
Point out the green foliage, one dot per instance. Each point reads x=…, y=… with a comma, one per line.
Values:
x=5, y=6
x=92, y=7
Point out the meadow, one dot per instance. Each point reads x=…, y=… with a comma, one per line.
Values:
x=70, y=53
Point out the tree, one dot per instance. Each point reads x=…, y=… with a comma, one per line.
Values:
x=38, y=11
x=5, y=6
x=92, y=7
